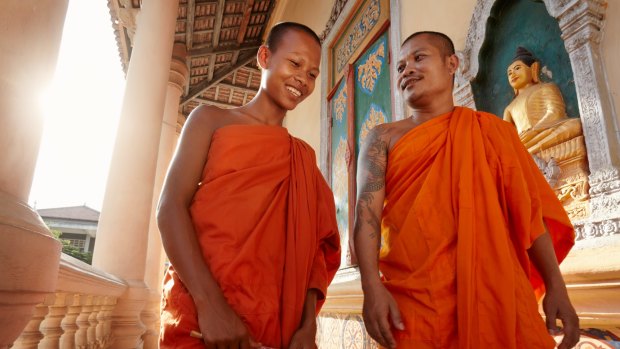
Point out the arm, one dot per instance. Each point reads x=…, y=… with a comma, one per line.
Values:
x=508, y=116
x=556, y=303
x=379, y=306
x=220, y=325
x=305, y=336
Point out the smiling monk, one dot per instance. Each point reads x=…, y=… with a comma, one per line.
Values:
x=246, y=218
x=463, y=226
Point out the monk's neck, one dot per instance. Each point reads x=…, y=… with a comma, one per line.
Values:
x=264, y=110
x=420, y=115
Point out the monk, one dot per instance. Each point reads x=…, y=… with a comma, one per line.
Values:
x=246, y=218
x=462, y=225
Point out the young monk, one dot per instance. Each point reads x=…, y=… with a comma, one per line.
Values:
x=246, y=218
x=466, y=222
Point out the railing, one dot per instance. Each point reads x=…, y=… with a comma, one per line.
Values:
x=79, y=314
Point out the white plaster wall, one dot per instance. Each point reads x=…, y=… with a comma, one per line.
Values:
x=447, y=16
x=305, y=121
x=610, y=47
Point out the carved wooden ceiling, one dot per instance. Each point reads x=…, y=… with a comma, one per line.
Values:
x=221, y=37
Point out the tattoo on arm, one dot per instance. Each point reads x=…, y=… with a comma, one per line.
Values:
x=372, y=168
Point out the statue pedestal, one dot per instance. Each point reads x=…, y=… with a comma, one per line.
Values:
x=565, y=166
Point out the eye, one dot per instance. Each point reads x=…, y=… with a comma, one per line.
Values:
x=313, y=75
x=294, y=63
x=419, y=57
x=400, y=68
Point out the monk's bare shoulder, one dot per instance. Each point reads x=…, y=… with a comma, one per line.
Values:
x=391, y=132
x=378, y=138
x=208, y=118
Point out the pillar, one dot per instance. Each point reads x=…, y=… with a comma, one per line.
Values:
x=122, y=235
x=178, y=79
x=30, y=37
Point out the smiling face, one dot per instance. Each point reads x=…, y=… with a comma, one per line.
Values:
x=519, y=75
x=290, y=72
x=425, y=72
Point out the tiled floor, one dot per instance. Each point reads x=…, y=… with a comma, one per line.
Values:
x=346, y=331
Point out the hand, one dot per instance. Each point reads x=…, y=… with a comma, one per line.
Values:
x=222, y=328
x=557, y=306
x=304, y=338
x=380, y=309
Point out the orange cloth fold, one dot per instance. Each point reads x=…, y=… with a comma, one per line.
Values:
x=464, y=202
x=265, y=220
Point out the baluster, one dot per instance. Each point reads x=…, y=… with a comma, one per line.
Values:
x=100, y=328
x=81, y=335
x=110, y=304
x=51, y=327
x=92, y=320
x=30, y=337
x=68, y=325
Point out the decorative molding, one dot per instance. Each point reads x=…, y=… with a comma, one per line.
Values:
x=333, y=17
x=591, y=230
x=604, y=181
x=464, y=95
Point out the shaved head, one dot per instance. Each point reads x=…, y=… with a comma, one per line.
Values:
x=276, y=34
x=439, y=40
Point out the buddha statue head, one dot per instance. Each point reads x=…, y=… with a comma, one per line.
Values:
x=524, y=70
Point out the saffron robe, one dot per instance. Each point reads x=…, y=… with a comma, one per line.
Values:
x=464, y=202
x=265, y=221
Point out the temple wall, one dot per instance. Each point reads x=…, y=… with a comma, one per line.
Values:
x=305, y=121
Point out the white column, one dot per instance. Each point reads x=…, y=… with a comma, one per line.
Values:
x=122, y=236
x=179, y=74
x=30, y=33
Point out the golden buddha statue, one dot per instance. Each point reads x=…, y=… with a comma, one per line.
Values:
x=538, y=110
x=555, y=141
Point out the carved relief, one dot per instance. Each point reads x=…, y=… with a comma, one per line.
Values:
x=336, y=10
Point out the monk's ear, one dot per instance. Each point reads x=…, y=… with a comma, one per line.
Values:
x=535, y=72
x=453, y=64
x=263, y=56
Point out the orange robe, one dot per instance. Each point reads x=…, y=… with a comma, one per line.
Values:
x=464, y=202
x=265, y=220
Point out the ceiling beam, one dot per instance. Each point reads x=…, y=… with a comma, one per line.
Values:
x=218, y=22
x=211, y=67
x=237, y=87
x=197, y=52
x=189, y=26
x=219, y=76
x=243, y=27
x=216, y=103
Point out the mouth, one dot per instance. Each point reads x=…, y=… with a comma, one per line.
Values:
x=409, y=81
x=295, y=92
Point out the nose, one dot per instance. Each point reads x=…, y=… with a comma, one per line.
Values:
x=408, y=70
x=301, y=79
